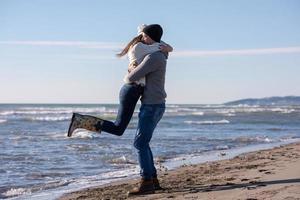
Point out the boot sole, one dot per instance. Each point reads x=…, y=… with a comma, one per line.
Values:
x=69, y=130
x=159, y=189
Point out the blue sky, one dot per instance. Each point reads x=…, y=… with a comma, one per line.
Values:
x=62, y=51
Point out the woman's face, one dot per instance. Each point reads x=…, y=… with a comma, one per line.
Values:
x=147, y=39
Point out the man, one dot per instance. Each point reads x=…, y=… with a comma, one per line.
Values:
x=152, y=108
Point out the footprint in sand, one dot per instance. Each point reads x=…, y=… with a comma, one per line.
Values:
x=262, y=170
x=244, y=179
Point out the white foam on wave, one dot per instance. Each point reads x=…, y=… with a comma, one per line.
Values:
x=251, y=110
x=121, y=173
x=245, y=139
x=49, y=119
x=207, y=122
x=283, y=110
x=3, y=121
x=78, y=109
x=226, y=112
x=172, y=106
x=7, y=113
x=83, y=134
x=288, y=138
x=213, y=105
x=255, y=109
x=244, y=105
x=34, y=112
x=188, y=109
x=230, y=114
x=183, y=112
x=26, y=193
x=229, y=111
x=16, y=192
x=198, y=113
x=57, y=110
x=122, y=160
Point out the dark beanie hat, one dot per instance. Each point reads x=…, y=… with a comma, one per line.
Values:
x=154, y=31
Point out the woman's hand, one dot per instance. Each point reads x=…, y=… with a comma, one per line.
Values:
x=130, y=69
x=131, y=66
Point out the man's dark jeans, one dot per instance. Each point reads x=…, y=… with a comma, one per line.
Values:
x=149, y=116
x=128, y=96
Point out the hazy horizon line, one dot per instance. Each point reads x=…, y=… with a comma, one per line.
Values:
x=115, y=103
x=176, y=53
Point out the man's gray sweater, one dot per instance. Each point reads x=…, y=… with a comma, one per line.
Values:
x=153, y=67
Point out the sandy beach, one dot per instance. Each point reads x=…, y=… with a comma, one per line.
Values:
x=267, y=174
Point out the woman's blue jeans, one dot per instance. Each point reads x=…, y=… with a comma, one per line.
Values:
x=149, y=116
x=128, y=96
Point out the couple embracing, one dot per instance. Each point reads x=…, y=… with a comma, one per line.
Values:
x=145, y=80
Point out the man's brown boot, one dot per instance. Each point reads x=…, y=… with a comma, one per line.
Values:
x=156, y=184
x=145, y=187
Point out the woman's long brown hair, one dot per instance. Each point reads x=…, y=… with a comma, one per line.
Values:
x=130, y=44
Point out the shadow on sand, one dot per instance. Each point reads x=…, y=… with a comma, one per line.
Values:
x=229, y=186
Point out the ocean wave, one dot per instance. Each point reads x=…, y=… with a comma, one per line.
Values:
x=275, y=129
x=181, y=110
x=289, y=138
x=253, y=109
x=3, y=121
x=15, y=192
x=42, y=110
x=35, y=112
x=75, y=109
x=198, y=113
x=7, y=113
x=43, y=175
x=207, y=122
x=12, y=192
x=122, y=160
x=49, y=119
x=229, y=113
x=177, y=113
x=172, y=106
x=283, y=110
x=245, y=139
x=62, y=118
x=120, y=173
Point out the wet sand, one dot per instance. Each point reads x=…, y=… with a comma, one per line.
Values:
x=266, y=174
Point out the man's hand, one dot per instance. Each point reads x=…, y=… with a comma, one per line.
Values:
x=165, y=48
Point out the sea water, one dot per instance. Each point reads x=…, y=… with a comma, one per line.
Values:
x=38, y=160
